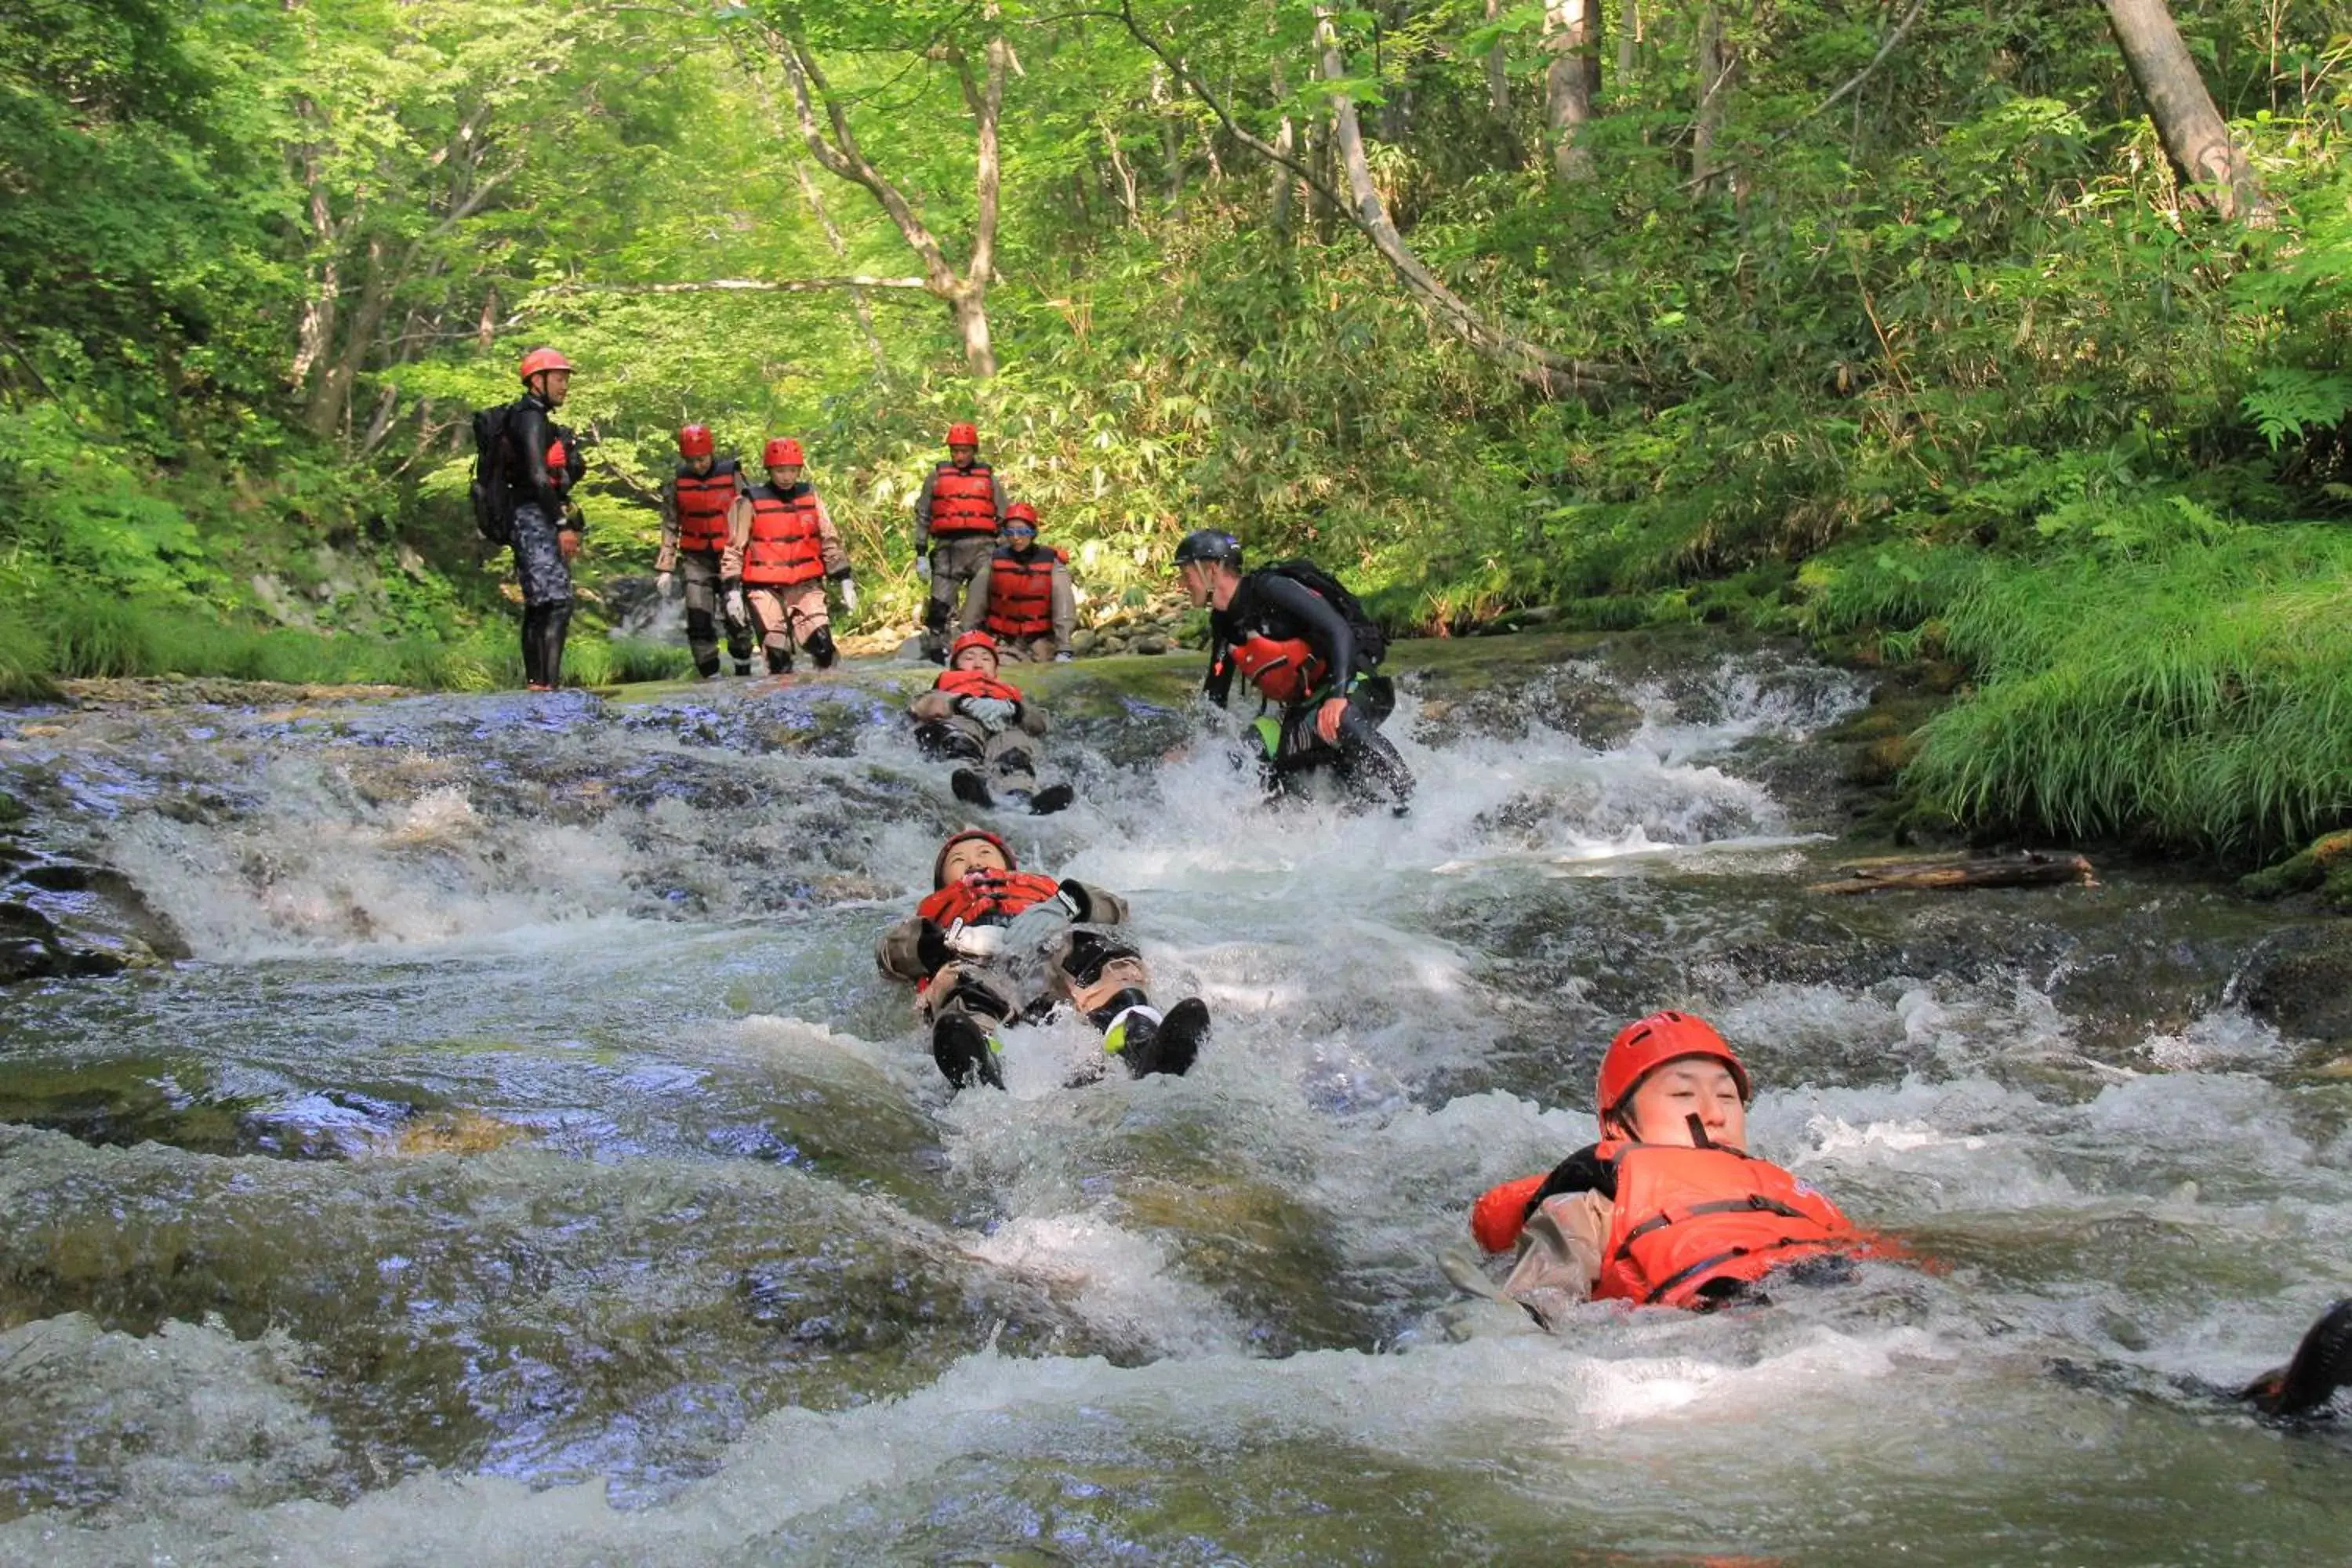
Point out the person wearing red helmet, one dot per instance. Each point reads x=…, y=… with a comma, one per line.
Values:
x=972, y=716
x=782, y=551
x=540, y=463
x=974, y=969
x=1021, y=595
x=1669, y=1208
x=697, y=503
x=956, y=518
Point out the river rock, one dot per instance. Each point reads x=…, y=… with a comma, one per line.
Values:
x=1152, y=642
x=22, y=958
x=1086, y=640
x=2300, y=982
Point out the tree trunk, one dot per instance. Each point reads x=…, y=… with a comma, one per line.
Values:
x=2194, y=133
x=970, y=310
x=1718, y=59
x=1499, y=92
x=1628, y=40
x=1569, y=83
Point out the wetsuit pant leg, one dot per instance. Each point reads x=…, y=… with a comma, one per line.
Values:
x=1011, y=756
x=955, y=560
x=1364, y=761
x=545, y=578
x=1100, y=977
x=699, y=569
x=954, y=739
x=976, y=990
x=807, y=621
x=1026, y=651
x=770, y=624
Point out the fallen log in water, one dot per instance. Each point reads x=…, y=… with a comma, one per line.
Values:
x=2032, y=869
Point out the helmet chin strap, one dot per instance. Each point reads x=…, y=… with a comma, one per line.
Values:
x=1699, y=1140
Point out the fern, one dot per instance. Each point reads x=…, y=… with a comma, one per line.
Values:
x=2286, y=401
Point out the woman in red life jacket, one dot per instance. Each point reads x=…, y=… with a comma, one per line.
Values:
x=1668, y=1209
x=956, y=515
x=1021, y=595
x=970, y=715
x=960, y=953
x=782, y=551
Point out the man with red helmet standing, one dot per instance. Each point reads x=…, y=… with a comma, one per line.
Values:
x=1021, y=595
x=697, y=503
x=543, y=463
x=782, y=549
x=956, y=518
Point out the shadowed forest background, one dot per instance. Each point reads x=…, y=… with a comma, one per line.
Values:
x=1909, y=329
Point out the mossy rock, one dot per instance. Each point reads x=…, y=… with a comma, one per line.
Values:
x=2324, y=867
x=2300, y=982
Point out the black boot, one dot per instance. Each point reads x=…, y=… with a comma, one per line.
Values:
x=965, y=1051
x=2322, y=1365
x=1171, y=1046
x=1051, y=799
x=970, y=787
x=780, y=661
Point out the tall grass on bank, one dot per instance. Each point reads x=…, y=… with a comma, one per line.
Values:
x=99, y=636
x=2197, y=697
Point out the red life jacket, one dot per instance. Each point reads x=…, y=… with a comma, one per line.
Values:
x=785, y=546
x=703, y=500
x=1286, y=670
x=1020, y=592
x=1686, y=1217
x=972, y=683
x=987, y=895
x=963, y=500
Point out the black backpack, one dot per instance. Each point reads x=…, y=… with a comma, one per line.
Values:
x=1371, y=643
x=490, y=486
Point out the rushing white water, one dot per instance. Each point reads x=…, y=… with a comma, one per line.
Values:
x=529, y=1167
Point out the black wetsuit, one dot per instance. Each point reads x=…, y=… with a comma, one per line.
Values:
x=1269, y=605
x=536, y=501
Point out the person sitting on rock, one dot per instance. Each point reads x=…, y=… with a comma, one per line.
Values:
x=1021, y=595
x=970, y=716
x=973, y=972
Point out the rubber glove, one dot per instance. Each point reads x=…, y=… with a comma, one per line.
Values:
x=923, y=567
x=993, y=713
x=662, y=582
x=849, y=595
x=1064, y=656
x=737, y=610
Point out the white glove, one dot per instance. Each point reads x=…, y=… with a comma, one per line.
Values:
x=993, y=713
x=923, y=567
x=737, y=610
x=1064, y=657
x=849, y=595
x=662, y=581
x=975, y=942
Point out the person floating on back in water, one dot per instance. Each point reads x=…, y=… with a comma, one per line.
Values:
x=780, y=550
x=968, y=715
x=970, y=977
x=1304, y=642
x=696, y=502
x=1670, y=1210
x=1021, y=595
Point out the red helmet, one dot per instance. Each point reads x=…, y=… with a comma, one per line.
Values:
x=539, y=360
x=781, y=451
x=1647, y=1044
x=1021, y=512
x=939, y=865
x=694, y=441
x=971, y=639
x=963, y=435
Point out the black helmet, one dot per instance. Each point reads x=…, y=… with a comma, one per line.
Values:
x=1209, y=545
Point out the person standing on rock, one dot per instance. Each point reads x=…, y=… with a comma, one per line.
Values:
x=956, y=518
x=973, y=972
x=781, y=548
x=541, y=464
x=1303, y=640
x=1021, y=595
x=696, y=502
x=970, y=715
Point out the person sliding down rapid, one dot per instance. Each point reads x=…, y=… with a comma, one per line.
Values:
x=1021, y=595
x=696, y=502
x=782, y=549
x=1301, y=638
x=971, y=715
x=1669, y=1209
x=970, y=977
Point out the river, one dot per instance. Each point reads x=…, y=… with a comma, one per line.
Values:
x=527, y=1165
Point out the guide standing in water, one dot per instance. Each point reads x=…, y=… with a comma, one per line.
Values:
x=540, y=464
x=956, y=518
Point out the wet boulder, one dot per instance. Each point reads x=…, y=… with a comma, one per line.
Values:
x=2300, y=982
